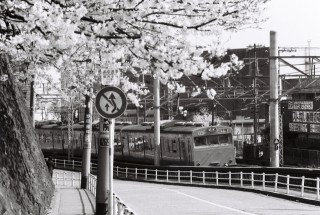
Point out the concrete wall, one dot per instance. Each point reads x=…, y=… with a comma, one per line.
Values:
x=25, y=184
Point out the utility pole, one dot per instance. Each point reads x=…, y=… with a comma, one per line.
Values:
x=274, y=101
x=255, y=96
x=86, y=158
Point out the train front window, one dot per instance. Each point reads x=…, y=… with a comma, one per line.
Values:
x=213, y=140
x=200, y=141
x=224, y=139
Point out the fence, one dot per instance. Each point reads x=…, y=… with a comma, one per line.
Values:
x=307, y=188
x=73, y=179
x=283, y=184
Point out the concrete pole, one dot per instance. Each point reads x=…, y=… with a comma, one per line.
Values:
x=103, y=169
x=274, y=102
x=86, y=158
x=156, y=103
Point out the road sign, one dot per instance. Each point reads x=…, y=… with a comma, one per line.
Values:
x=111, y=102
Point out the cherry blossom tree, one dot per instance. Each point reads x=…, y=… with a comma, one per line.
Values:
x=135, y=37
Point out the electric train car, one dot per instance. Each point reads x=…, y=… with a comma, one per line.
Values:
x=181, y=143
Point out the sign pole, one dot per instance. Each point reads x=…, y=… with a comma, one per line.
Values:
x=111, y=102
x=103, y=169
x=110, y=165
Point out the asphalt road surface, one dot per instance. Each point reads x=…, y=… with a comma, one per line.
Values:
x=161, y=199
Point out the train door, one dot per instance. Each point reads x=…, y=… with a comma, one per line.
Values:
x=184, y=151
x=148, y=147
x=136, y=146
x=126, y=145
x=161, y=147
x=171, y=151
x=190, y=150
x=118, y=149
x=94, y=139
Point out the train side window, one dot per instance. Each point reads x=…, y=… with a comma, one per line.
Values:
x=213, y=140
x=174, y=146
x=168, y=145
x=139, y=144
x=200, y=141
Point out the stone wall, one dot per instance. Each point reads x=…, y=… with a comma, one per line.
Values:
x=25, y=184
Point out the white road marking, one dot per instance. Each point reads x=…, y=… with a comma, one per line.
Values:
x=211, y=203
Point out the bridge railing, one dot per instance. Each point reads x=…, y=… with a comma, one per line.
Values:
x=303, y=187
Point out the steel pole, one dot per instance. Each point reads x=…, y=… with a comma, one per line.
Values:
x=274, y=102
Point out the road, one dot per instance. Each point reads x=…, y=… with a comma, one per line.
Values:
x=162, y=199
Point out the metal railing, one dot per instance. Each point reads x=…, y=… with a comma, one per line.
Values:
x=307, y=188
x=73, y=179
x=73, y=165
x=120, y=207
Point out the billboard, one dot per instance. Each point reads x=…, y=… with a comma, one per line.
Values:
x=301, y=116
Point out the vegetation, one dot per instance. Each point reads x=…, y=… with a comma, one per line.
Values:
x=80, y=39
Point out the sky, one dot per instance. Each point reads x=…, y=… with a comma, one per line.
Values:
x=295, y=21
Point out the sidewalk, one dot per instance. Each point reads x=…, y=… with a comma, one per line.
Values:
x=70, y=200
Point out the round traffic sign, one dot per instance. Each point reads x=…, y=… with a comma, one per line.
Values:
x=111, y=102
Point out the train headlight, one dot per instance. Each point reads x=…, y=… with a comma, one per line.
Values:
x=212, y=129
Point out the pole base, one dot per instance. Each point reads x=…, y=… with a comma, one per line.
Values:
x=84, y=182
x=101, y=209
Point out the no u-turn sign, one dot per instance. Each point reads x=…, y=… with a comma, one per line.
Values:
x=111, y=102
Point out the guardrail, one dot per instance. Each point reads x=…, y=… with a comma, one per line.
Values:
x=302, y=187
x=73, y=179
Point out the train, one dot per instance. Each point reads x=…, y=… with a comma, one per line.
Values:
x=181, y=142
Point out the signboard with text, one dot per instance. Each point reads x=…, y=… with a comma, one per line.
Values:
x=301, y=116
